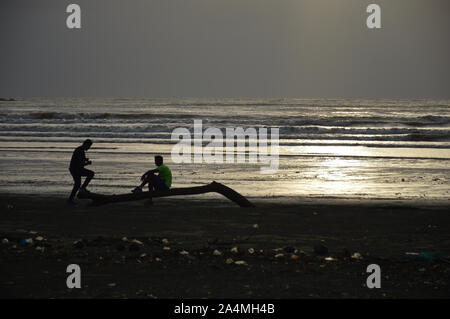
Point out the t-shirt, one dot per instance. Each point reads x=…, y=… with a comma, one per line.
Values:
x=78, y=159
x=166, y=174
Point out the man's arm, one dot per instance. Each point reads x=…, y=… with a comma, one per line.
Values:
x=85, y=160
x=152, y=171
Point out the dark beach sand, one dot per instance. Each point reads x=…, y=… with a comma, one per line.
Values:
x=381, y=231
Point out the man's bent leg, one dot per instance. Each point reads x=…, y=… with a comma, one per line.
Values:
x=76, y=186
x=138, y=189
x=151, y=180
x=89, y=176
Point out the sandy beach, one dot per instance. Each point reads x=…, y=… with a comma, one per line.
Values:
x=169, y=248
x=331, y=117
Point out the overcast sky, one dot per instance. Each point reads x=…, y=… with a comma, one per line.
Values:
x=225, y=48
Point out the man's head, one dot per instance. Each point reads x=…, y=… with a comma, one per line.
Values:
x=158, y=160
x=87, y=144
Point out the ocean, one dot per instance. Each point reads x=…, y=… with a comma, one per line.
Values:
x=331, y=148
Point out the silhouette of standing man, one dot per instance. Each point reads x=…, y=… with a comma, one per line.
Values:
x=76, y=168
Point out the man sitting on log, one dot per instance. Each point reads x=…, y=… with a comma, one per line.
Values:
x=159, y=182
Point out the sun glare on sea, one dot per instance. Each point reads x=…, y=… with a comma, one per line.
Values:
x=334, y=172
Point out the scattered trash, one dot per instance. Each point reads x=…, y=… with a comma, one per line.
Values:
x=32, y=232
x=39, y=238
x=278, y=249
x=217, y=253
x=39, y=248
x=240, y=262
x=251, y=251
x=165, y=241
x=184, y=253
x=320, y=249
x=229, y=261
x=10, y=207
x=158, y=259
x=138, y=242
x=279, y=255
x=255, y=226
x=143, y=255
x=294, y=257
x=166, y=248
x=356, y=256
x=26, y=242
x=330, y=259
x=113, y=284
x=234, y=250
x=5, y=241
x=124, y=239
x=422, y=269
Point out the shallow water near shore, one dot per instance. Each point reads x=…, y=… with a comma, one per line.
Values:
x=393, y=149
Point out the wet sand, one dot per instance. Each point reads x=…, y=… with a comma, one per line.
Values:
x=281, y=233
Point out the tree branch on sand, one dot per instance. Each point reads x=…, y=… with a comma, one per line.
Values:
x=99, y=199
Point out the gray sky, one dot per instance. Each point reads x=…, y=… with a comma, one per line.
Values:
x=225, y=48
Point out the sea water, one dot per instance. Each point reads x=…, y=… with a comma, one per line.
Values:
x=351, y=148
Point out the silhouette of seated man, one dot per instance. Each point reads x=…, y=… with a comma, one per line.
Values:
x=159, y=182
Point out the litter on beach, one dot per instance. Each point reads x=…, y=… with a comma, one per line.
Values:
x=135, y=241
x=356, y=256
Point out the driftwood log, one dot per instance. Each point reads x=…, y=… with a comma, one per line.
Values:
x=99, y=199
